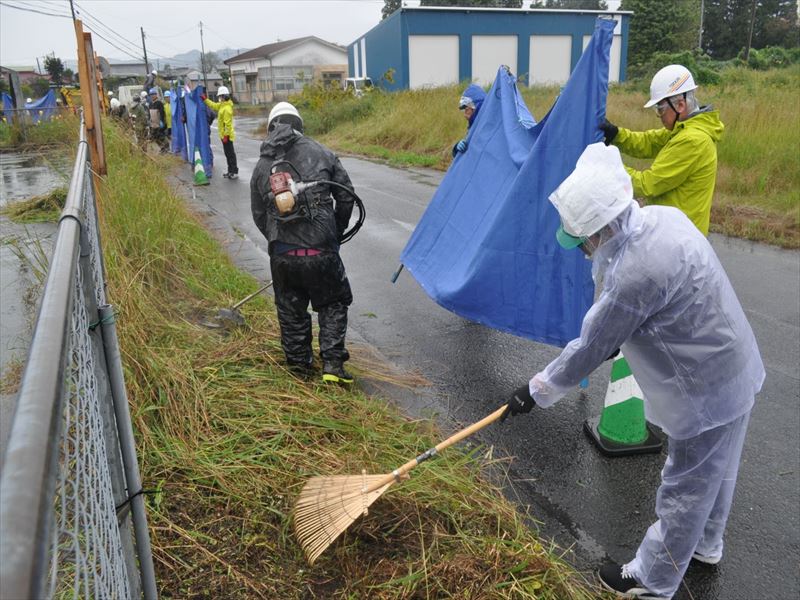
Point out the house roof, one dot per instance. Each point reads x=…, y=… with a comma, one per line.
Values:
x=197, y=75
x=268, y=50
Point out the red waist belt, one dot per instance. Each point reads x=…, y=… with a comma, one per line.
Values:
x=304, y=252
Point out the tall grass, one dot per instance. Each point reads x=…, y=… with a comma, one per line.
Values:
x=228, y=436
x=758, y=182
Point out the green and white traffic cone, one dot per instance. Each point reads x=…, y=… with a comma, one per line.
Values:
x=621, y=429
x=199, y=172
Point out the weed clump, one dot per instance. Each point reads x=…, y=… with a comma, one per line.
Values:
x=45, y=208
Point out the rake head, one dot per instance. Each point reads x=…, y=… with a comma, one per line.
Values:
x=327, y=506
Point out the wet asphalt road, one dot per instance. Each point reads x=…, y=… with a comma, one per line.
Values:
x=599, y=507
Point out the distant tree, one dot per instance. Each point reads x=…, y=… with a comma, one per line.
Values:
x=726, y=25
x=389, y=6
x=54, y=68
x=571, y=4
x=211, y=60
x=658, y=26
x=39, y=87
x=474, y=3
x=68, y=75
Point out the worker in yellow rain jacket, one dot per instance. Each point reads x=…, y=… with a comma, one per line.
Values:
x=684, y=168
x=224, y=110
x=168, y=112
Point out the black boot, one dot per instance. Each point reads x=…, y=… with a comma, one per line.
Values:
x=303, y=370
x=333, y=372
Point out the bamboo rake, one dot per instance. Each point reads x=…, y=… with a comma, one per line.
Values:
x=327, y=506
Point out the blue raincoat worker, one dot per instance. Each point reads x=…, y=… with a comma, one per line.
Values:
x=665, y=298
x=470, y=102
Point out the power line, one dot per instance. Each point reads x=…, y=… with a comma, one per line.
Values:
x=85, y=14
x=32, y=10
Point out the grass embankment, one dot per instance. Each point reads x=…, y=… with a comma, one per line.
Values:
x=758, y=184
x=227, y=436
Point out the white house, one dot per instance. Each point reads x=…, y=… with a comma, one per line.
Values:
x=273, y=71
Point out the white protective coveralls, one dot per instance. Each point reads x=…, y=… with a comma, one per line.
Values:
x=666, y=300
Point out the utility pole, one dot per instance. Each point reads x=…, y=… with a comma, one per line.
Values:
x=750, y=35
x=38, y=67
x=72, y=8
x=144, y=49
x=203, y=58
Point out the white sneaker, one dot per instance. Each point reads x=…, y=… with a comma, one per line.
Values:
x=709, y=560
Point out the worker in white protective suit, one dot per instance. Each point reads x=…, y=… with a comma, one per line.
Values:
x=667, y=301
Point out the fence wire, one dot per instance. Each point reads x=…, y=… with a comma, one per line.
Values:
x=71, y=460
x=87, y=555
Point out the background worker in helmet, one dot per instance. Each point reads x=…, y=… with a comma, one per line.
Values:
x=667, y=300
x=168, y=113
x=158, y=120
x=470, y=103
x=139, y=119
x=150, y=80
x=224, y=110
x=304, y=243
x=685, y=149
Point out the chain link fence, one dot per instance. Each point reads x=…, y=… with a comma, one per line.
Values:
x=72, y=519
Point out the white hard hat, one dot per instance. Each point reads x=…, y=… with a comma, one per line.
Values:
x=670, y=81
x=593, y=195
x=143, y=94
x=110, y=93
x=154, y=72
x=29, y=100
x=281, y=109
x=114, y=103
x=223, y=91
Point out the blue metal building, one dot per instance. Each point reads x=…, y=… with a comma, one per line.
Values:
x=432, y=46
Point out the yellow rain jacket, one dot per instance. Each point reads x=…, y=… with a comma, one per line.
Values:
x=685, y=167
x=224, y=112
x=168, y=113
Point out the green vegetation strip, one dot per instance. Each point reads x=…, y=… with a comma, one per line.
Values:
x=758, y=183
x=228, y=437
x=38, y=209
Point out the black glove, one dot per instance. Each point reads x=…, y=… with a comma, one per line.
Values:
x=613, y=355
x=520, y=402
x=609, y=130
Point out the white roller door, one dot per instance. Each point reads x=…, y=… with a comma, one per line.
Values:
x=432, y=60
x=489, y=52
x=550, y=58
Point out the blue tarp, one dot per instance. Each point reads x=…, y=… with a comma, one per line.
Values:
x=44, y=108
x=178, y=143
x=197, y=128
x=485, y=247
x=8, y=107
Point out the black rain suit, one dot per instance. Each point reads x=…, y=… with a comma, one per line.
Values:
x=304, y=250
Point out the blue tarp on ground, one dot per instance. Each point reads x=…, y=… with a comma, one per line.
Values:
x=197, y=128
x=485, y=247
x=44, y=108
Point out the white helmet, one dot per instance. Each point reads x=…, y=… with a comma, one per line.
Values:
x=143, y=94
x=110, y=93
x=114, y=103
x=281, y=109
x=593, y=195
x=223, y=91
x=154, y=72
x=29, y=100
x=670, y=81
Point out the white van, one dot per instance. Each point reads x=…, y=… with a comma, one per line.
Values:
x=358, y=85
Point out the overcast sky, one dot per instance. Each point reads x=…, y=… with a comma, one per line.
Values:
x=171, y=26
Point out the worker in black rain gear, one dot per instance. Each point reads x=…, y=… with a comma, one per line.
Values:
x=304, y=244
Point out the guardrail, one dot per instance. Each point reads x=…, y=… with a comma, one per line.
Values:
x=72, y=514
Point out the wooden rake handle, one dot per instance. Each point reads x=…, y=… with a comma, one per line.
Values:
x=251, y=296
x=453, y=439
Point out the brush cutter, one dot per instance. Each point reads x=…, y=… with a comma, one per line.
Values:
x=327, y=506
x=232, y=314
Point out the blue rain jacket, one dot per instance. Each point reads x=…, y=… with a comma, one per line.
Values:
x=485, y=247
x=178, y=141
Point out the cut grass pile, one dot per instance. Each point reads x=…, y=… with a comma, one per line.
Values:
x=38, y=209
x=227, y=437
x=758, y=183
